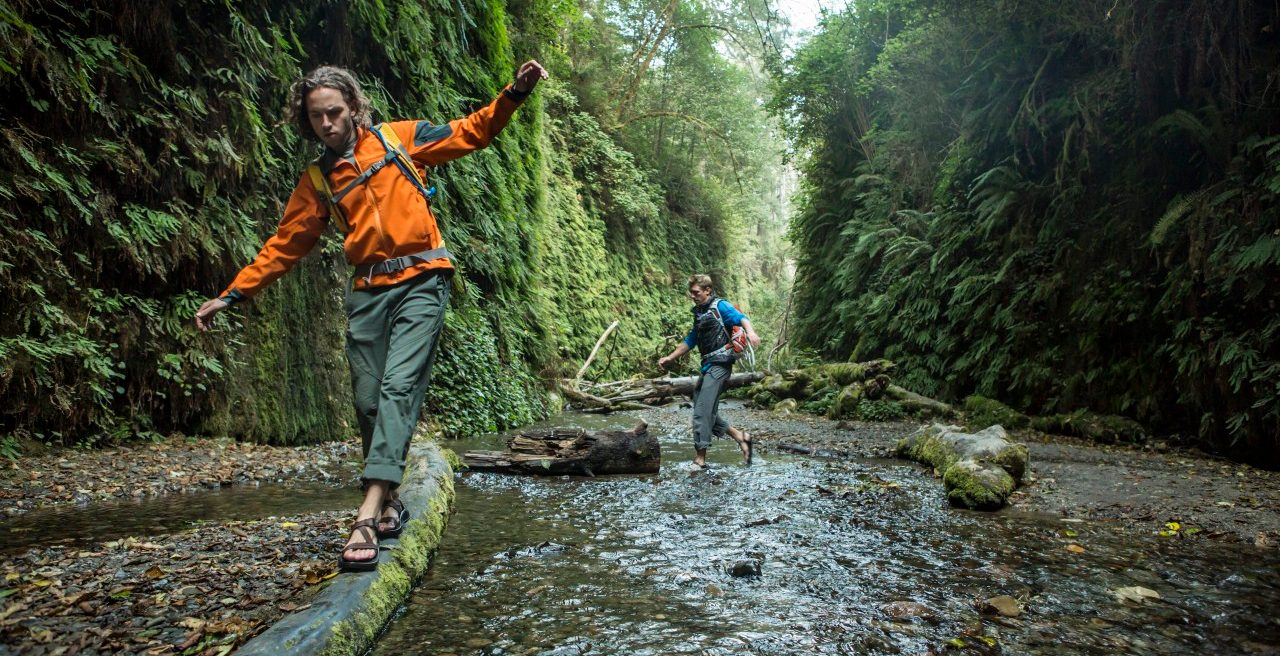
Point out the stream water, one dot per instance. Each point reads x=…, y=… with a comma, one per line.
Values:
x=110, y=520
x=797, y=555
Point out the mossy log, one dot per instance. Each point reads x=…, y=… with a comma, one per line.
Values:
x=575, y=451
x=1107, y=429
x=917, y=404
x=871, y=377
x=979, y=470
x=982, y=411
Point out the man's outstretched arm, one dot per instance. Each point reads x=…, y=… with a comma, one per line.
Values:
x=437, y=144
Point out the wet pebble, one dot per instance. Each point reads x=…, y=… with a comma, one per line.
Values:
x=1002, y=605
x=905, y=610
x=745, y=569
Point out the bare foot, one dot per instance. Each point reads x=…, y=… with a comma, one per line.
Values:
x=389, y=520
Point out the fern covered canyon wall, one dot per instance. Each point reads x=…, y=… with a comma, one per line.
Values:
x=146, y=158
x=1060, y=205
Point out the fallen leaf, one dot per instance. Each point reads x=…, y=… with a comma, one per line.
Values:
x=1075, y=548
x=290, y=525
x=1136, y=594
x=155, y=572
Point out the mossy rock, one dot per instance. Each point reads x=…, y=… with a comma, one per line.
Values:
x=786, y=406
x=927, y=446
x=846, y=402
x=981, y=411
x=977, y=485
x=1107, y=429
x=979, y=470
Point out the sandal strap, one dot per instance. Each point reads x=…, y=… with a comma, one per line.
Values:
x=367, y=529
x=395, y=504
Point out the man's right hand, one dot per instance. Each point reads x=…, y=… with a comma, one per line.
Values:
x=664, y=361
x=204, y=316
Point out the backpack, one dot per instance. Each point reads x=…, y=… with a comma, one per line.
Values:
x=395, y=153
x=736, y=345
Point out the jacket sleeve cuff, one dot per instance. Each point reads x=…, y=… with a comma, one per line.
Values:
x=510, y=92
x=232, y=296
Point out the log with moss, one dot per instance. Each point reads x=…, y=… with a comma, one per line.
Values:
x=575, y=451
x=979, y=470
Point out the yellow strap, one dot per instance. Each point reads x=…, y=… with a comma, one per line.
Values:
x=401, y=154
x=321, y=183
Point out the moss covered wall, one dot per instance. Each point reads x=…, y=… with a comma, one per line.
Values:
x=146, y=159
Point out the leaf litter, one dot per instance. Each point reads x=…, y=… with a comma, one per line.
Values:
x=202, y=591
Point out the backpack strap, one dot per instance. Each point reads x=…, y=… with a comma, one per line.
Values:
x=325, y=192
x=396, y=154
x=714, y=308
x=396, y=150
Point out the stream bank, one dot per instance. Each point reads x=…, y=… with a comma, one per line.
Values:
x=807, y=536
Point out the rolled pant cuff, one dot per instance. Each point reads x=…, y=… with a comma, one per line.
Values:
x=383, y=471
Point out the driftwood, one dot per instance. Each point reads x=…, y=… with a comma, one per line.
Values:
x=558, y=451
x=640, y=393
x=595, y=350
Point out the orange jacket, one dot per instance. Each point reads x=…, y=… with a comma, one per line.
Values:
x=387, y=214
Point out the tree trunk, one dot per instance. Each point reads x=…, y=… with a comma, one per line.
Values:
x=559, y=451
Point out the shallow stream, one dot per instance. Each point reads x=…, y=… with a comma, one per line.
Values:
x=853, y=557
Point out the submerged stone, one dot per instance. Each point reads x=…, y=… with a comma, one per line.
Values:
x=1002, y=605
x=747, y=568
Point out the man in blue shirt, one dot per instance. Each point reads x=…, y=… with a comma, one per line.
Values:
x=713, y=319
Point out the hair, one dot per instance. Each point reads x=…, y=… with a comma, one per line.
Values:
x=700, y=279
x=332, y=77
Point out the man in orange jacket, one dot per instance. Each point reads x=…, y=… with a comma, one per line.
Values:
x=369, y=180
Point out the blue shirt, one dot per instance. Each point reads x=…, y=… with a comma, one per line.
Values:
x=731, y=316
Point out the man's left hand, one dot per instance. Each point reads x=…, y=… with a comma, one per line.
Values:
x=531, y=72
x=753, y=339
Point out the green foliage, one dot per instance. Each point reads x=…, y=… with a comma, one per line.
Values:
x=147, y=158
x=10, y=447
x=820, y=402
x=880, y=410
x=1048, y=204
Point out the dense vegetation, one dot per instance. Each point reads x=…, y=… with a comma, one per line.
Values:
x=1061, y=205
x=145, y=159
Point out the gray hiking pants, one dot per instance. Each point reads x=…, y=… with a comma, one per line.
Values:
x=706, y=406
x=392, y=334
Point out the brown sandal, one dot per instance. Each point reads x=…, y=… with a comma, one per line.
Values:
x=401, y=518
x=367, y=529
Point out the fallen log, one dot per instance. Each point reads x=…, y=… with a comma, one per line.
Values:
x=684, y=385
x=922, y=405
x=625, y=395
x=576, y=451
